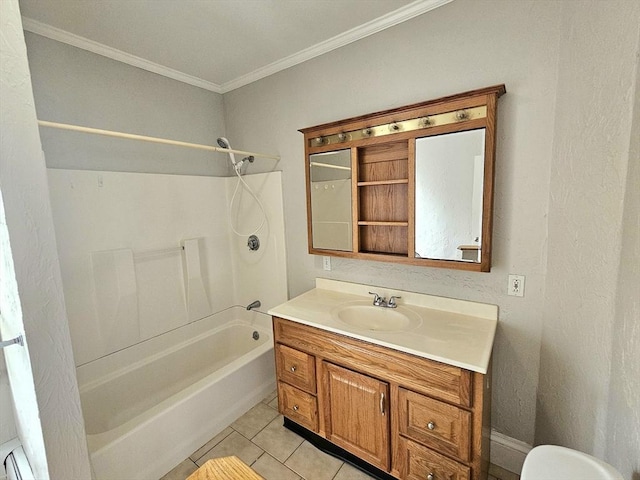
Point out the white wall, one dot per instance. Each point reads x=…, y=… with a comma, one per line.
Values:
x=623, y=416
x=42, y=373
x=593, y=117
x=460, y=46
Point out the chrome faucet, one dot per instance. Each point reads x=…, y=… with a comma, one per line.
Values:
x=392, y=301
x=379, y=301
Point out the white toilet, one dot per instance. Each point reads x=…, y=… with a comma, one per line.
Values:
x=551, y=462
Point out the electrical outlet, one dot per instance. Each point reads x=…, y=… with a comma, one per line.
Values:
x=326, y=263
x=516, y=285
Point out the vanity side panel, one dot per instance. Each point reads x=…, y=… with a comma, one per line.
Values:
x=448, y=383
x=482, y=424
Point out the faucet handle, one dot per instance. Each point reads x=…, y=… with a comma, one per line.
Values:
x=392, y=301
x=377, y=299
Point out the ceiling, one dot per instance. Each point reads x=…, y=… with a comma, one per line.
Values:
x=219, y=45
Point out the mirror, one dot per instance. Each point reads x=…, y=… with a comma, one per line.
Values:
x=449, y=173
x=410, y=185
x=330, y=176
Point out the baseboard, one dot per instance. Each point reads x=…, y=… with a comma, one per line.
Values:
x=507, y=452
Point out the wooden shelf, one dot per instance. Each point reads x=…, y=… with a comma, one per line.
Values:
x=384, y=182
x=383, y=224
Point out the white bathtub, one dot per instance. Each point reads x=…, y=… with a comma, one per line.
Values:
x=148, y=407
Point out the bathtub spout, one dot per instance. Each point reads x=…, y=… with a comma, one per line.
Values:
x=255, y=304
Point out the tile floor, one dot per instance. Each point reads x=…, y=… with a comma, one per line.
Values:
x=259, y=440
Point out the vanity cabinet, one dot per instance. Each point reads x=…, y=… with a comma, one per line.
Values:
x=409, y=416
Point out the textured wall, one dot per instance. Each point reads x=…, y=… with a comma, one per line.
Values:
x=596, y=87
x=460, y=46
x=623, y=419
x=47, y=403
x=74, y=86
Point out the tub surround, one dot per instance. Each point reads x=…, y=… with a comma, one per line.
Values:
x=455, y=332
x=126, y=278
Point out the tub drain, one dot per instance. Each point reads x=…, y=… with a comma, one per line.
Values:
x=256, y=335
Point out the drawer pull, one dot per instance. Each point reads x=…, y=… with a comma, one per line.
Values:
x=296, y=408
x=431, y=476
x=382, y=403
x=293, y=368
x=431, y=426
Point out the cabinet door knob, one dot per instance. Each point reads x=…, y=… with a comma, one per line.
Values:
x=431, y=426
x=296, y=408
x=431, y=476
x=293, y=368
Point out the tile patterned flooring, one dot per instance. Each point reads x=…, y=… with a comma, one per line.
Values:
x=259, y=440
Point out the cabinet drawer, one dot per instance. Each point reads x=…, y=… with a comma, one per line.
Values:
x=296, y=368
x=435, y=424
x=299, y=406
x=420, y=463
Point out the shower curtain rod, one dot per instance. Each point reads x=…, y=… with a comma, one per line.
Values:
x=131, y=136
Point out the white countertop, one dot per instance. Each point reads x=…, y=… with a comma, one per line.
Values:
x=456, y=332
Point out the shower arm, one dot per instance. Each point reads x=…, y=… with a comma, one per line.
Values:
x=143, y=138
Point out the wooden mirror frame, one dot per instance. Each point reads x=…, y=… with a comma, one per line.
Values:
x=388, y=138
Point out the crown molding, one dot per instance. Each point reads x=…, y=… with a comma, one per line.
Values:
x=63, y=36
x=400, y=15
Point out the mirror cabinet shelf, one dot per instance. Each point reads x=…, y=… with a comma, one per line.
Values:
x=410, y=185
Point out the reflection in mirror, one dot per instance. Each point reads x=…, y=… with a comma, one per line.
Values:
x=331, y=199
x=449, y=189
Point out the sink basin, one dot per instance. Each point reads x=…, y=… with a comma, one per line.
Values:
x=365, y=316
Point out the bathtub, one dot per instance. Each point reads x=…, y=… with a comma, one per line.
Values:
x=148, y=407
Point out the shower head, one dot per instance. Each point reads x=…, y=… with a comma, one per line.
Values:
x=224, y=143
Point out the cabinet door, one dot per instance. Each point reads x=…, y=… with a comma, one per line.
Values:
x=357, y=413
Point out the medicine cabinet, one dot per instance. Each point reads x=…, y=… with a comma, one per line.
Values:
x=409, y=185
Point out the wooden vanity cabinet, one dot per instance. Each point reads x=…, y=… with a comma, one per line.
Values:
x=408, y=416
